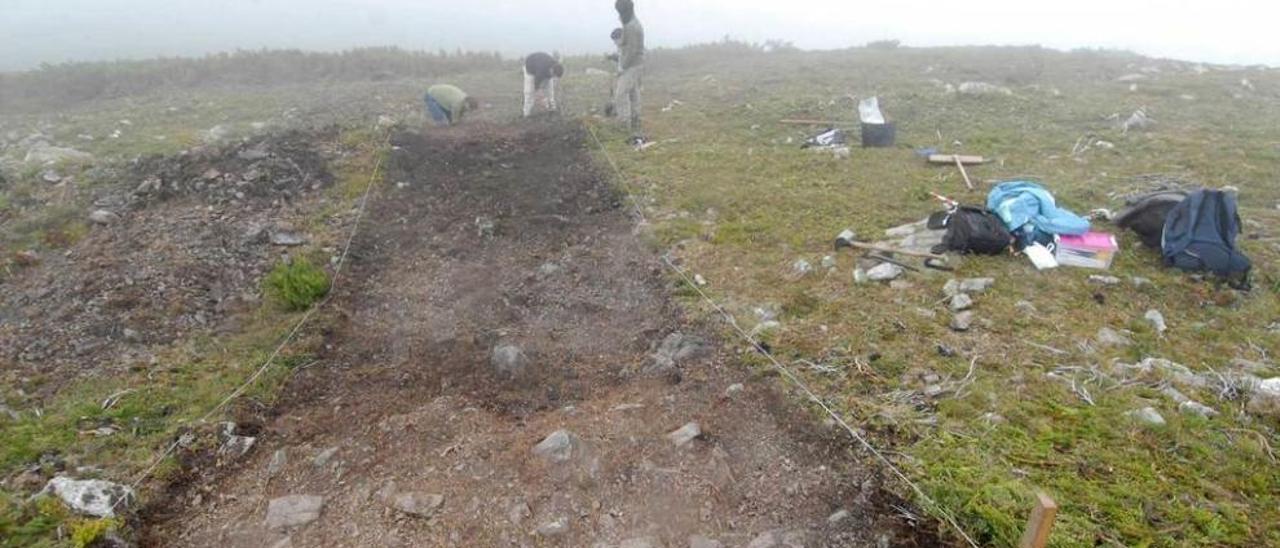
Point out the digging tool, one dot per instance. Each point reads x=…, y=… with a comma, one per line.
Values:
x=846, y=239
x=882, y=258
x=959, y=161
x=963, y=173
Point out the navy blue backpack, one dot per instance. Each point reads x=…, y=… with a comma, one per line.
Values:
x=1200, y=236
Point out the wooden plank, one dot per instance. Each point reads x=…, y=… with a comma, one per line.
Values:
x=816, y=122
x=950, y=159
x=1040, y=523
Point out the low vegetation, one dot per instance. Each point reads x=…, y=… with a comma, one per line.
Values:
x=297, y=284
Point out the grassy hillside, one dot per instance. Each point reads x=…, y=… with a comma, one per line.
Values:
x=732, y=195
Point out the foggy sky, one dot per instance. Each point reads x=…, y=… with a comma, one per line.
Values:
x=37, y=31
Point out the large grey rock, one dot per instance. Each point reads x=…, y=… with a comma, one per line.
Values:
x=98, y=498
x=509, y=360
x=1147, y=415
x=557, y=447
x=103, y=217
x=976, y=285
x=677, y=349
x=685, y=434
x=293, y=510
x=962, y=322
x=961, y=302
x=1104, y=280
x=417, y=504
x=884, y=272
x=1157, y=321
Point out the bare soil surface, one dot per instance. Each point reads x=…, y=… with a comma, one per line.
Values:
x=508, y=236
x=178, y=255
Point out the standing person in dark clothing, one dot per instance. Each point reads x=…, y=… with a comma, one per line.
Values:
x=542, y=73
x=631, y=62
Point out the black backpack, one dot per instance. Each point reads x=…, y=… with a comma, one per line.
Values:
x=1200, y=236
x=1146, y=215
x=972, y=230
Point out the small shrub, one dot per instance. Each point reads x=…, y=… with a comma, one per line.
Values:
x=86, y=533
x=297, y=284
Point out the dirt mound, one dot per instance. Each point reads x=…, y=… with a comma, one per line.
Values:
x=505, y=370
x=160, y=265
x=270, y=168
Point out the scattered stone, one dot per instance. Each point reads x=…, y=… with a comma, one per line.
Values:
x=485, y=227
x=417, y=504
x=993, y=419
x=1138, y=120
x=976, y=285
x=321, y=460
x=385, y=122
x=276, y=465
x=699, y=280
x=640, y=542
x=901, y=285
x=548, y=269
x=778, y=538
x=103, y=217
x=801, y=267
x=828, y=262
x=1157, y=321
x=982, y=88
x=884, y=272
x=934, y=390
x=554, y=528
x=1147, y=415
x=44, y=154
x=557, y=447
x=293, y=510
x=287, y=238
x=961, y=302
x=838, y=516
x=1104, y=280
x=860, y=276
x=50, y=176
x=699, y=541
x=98, y=498
x=1140, y=282
x=1196, y=408
x=734, y=390
x=236, y=446
x=1110, y=337
x=685, y=434
x=508, y=360
x=841, y=153
x=1026, y=307
x=216, y=134
x=946, y=351
x=677, y=348
x=519, y=512
x=962, y=322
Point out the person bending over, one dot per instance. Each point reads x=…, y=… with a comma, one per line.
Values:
x=446, y=104
x=542, y=74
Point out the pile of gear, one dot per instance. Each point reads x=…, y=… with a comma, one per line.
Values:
x=1194, y=230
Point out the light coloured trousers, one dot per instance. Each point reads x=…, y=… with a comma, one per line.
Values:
x=627, y=97
x=531, y=93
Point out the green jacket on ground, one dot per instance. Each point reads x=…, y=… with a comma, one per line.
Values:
x=452, y=98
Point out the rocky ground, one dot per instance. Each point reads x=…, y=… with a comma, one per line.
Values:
x=176, y=255
x=508, y=369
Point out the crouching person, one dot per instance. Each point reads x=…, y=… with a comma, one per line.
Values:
x=542, y=74
x=447, y=104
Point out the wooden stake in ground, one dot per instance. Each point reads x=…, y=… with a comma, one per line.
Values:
x=1040, y=523
x=960, y=165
